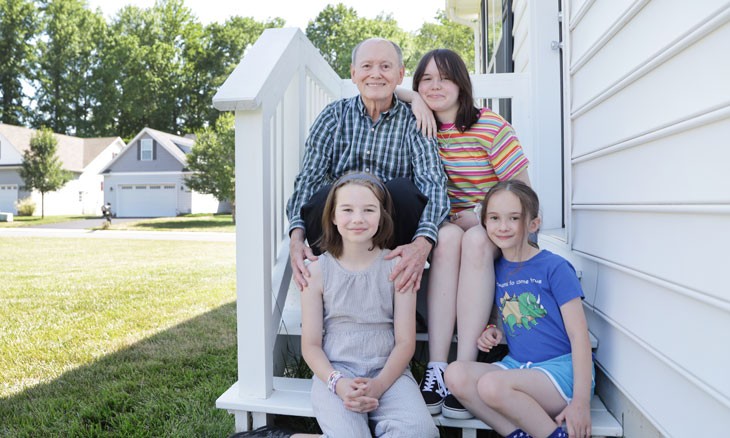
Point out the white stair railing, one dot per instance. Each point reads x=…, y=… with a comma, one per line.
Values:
x=276, y=92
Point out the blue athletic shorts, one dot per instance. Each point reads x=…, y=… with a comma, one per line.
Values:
x=559, y=370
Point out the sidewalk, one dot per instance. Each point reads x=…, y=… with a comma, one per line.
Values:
x=116, y=234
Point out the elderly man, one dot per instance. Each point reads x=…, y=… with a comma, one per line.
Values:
x=372, y=132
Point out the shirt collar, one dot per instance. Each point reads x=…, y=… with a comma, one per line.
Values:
x=397, y=103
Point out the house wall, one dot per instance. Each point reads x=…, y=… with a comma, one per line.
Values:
x=72, y=199
x=66, y=201
x=647, y=124
x=128, y=162
x=10, y=176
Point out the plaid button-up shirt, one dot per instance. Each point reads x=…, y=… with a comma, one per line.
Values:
x=344, y=138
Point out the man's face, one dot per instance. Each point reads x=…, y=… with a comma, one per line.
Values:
x=376, y=72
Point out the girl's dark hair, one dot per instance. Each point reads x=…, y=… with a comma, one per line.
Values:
x=528, y=200
x=331, y=240
x=450, y=65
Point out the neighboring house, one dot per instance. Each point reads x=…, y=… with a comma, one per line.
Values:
x=624, y=111
x=83, y=157
x=147, y=179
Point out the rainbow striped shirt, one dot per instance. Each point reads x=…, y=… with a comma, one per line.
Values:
x=479, y=158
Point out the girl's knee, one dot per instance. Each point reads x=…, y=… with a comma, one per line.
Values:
x=476, y=245
x=491, y=389
x=458, y=378
x=449, y=243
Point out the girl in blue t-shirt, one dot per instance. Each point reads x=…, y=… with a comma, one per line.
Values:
x=547, y=378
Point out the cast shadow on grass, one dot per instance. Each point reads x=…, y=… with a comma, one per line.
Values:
x=182, y=225
x=164, y=385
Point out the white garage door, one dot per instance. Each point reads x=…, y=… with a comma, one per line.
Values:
x=8, y=197
x=146, y=200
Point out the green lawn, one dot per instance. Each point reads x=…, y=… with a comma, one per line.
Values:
x=29, y=221
x=217, y=223
x=221, y=223
x=116, y=338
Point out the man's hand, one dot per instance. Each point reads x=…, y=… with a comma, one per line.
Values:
x=298, y=252
x=409, y=270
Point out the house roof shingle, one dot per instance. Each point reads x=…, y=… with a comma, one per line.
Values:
x=75, y=153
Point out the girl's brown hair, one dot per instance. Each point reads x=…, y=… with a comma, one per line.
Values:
x=528, y=200
x=331, y=240
x=450, y=65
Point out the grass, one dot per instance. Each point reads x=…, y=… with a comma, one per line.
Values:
x=221, y=223
x=116, y=338
x=216, y=223
x=30, y=221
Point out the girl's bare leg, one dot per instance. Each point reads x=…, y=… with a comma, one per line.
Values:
x=526, y=397
x=442, y=280
x=475, y=293
x=506, y=399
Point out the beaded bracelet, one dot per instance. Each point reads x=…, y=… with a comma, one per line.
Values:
x=332, y=381
x=489, y=326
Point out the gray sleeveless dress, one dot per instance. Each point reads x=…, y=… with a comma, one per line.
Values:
x=358, y=338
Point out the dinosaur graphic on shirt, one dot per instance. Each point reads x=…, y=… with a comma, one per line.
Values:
x=521, y=310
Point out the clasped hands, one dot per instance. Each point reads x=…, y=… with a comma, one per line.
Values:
x=360, y=394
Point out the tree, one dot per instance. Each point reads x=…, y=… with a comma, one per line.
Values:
x=17, y=30
x=144, y=67
x=67, y=58
x=41, y=169
x=337, y=30
x=222, y=48
x=212, y=160
x=444, y=35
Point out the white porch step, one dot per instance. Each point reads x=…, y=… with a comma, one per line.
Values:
x=291, y=397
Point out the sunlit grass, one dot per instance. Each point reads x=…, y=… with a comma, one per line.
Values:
x=29, y=221
x=115, y=337
x=215, y=223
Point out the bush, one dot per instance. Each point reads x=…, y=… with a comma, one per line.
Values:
x=25, y=207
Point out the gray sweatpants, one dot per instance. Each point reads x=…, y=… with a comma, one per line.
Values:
x=400, y=414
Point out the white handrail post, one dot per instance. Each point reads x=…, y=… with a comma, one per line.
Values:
x=253, y=258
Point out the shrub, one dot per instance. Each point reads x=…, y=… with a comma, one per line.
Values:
x=25, y=207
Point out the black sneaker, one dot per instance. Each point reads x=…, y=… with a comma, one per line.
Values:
x=453, y=409
x=433, y=389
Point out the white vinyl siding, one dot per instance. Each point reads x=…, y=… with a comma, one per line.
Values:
x=648, y=103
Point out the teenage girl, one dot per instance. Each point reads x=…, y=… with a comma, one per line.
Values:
x=358, y=335
x=478, y=148
x=547, y=378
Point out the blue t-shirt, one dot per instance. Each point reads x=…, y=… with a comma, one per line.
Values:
x=528, y=296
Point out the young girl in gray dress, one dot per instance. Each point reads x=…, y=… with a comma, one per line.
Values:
x=358, y=335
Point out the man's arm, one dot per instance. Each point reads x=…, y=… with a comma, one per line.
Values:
x=316, y=163
x=430, y=179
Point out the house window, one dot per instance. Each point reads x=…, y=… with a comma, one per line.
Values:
x=146, y=149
